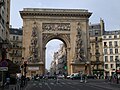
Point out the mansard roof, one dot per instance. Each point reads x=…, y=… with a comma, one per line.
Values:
x=115, y=32
x=16, y=31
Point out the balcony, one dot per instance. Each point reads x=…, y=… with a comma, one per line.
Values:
x=105, y=46
x=18, y=41
x=15, y=54
x=94, y=41
x=97, y=62
x=16, y=47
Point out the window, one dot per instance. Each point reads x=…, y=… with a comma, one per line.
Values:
x=104, y=36
x=106, y=66
x=116, y=57
x=111, y=65
x=115, y=43
x=13, y=44
x=105, y=44
x=110, y=44
x=17, y=37
x=105, y=51
x=13, y=37
x=16, y=52
x=115, y=36
x=111, y=51
x=110, y=36
x=96, y=32
x=111, y=58
x=96, y=39
x=116, y=50
x=106, y=58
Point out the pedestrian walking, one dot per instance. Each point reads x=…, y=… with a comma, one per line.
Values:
x=7, y=82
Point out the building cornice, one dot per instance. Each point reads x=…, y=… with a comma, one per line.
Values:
x=55, y=12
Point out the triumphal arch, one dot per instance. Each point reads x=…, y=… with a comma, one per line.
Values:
x=68, y=25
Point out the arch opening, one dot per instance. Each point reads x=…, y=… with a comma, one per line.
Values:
x=56, y=57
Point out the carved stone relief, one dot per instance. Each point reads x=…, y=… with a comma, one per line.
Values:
x=33, y=47
x=80, y=55
x=56, y=26
x=46, y=36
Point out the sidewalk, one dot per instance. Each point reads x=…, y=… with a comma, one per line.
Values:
x=11, y=87
x=105, y=85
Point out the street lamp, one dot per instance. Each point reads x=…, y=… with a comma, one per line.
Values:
x=117, y=63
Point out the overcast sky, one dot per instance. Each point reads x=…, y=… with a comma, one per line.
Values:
x=109, y=10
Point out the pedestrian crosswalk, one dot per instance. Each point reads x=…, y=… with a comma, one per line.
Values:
x=67, y=84
x=53, y=83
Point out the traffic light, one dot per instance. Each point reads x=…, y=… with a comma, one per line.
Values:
x=65, y=67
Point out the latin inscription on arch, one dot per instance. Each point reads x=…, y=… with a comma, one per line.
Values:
x=56, y=26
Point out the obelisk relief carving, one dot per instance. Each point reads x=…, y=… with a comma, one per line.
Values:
x=79, y=50
x=34, y=45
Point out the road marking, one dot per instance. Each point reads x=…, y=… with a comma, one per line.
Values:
x=63, y=83
x=34, y=84
x=48, y=86
x=52, y=83
x=40, y=84
x=70, y=83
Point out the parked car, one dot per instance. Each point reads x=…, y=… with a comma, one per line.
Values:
x=75, y=76
x=60, y=76
x=71, y=75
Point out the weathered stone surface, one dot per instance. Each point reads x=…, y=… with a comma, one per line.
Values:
x=55, y=24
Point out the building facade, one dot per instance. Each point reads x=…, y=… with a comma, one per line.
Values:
x=59, y=63
x=4, y=25
x=96, y=48
x=53, y=67
x=16, y=42
x=111, y=51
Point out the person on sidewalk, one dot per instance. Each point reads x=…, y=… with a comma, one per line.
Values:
x=7, y=82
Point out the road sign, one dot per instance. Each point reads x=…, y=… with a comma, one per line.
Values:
x=3, y=68
x=4, y=63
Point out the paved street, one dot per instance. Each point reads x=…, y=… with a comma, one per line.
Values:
x=71, y=85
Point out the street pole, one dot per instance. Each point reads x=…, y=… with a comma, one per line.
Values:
x=117, y=79
x=85, y=72
x=2, y=79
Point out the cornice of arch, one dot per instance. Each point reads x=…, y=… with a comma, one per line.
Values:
x=56, y=12
x=63, y=37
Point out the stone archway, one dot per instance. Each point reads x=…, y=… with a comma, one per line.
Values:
x=68, y=25
x=65, y=38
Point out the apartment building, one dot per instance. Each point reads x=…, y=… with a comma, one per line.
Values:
x=53, y=67
x=96, y=48
x=54, y=63
x=111, y=51
x=59, y=64
x=4, y=25
x=16, y=49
